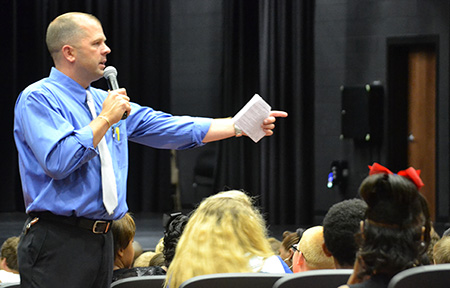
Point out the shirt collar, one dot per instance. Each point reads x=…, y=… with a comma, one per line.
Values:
x=62, y=79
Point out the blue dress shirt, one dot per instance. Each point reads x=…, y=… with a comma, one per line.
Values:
x=59, y=167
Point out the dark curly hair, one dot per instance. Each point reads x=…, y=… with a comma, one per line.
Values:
x=396, y=231
x=340, y=225
x=172, y=234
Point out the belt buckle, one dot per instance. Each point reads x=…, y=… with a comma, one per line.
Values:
x=101, y=227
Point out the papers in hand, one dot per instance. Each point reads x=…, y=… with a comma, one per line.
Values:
x=251, y=117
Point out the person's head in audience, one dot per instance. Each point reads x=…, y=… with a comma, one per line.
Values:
x=434, y=238
x=396, y=231
x=123, y=231
x=309, y=254
x=8, y=255
x=441, y=251
x=158, y=260
x=286, y=250
x=225, y=234
x=275, y=244
x=172, y=234
x=144, y=259
x=340, y=225
x=160, y=246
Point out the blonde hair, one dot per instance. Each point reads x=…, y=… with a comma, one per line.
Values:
x=311, y=247
x=144, y=259
x=441, y=250
x=221, y=236
x=157, y=260
x=160, y=246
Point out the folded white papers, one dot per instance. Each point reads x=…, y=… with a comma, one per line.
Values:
x=251, y=117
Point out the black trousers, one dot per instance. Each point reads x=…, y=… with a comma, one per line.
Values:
x=53, y=254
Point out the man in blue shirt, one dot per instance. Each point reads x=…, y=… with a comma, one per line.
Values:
x=66, y=238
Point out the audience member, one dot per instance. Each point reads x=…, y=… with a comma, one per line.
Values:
x=286, y=250
x=173, y=230
x=225, y=234
x=396, y=232
x=340, y=225
x=441, y=251
x=9, y=268
x=124, y=231
x=275, y=244
x=309, y=254
x=158, y=260
x=144, y=259
x=160, y=246
x=428, y=258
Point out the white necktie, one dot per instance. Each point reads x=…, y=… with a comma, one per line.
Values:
x=108, y=178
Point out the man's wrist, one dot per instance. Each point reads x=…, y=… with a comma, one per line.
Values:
x=237, y=130
x=106, y=119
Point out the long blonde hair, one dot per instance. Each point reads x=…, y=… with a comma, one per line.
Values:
x=221, y=236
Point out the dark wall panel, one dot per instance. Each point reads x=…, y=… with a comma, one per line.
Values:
x=196, y=63
x=350, y=48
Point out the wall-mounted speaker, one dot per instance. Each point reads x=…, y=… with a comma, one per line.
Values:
x=362, y=112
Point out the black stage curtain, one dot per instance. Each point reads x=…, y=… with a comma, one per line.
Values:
x=268, y=50
x=137, y=33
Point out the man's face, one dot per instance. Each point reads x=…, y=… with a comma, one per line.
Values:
x=295, y=261
x=128, y=255
x=91, y=51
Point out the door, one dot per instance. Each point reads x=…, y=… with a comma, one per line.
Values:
x=411, y=123
x=422, y=119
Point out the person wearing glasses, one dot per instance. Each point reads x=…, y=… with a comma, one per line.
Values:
x=286, y=250
x=309, y=254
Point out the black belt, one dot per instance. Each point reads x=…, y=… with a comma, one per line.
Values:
x=95, y=226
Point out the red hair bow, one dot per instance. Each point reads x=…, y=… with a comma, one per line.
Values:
x=410, y=173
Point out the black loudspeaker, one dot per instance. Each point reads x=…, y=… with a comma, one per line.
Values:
x=362, y=113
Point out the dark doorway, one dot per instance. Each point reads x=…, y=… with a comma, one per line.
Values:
x=412, y=80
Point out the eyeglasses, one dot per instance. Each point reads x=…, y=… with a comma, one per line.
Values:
x=295, y=247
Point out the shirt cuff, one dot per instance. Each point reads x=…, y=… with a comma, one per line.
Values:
x=202, y=125
x=85, y=136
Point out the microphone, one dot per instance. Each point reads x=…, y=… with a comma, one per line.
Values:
x=110, y=74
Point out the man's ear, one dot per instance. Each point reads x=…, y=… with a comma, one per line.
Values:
x=3, y=263
x=301, y=259
x=120, y=252
x=69, y=53
x=325, y=250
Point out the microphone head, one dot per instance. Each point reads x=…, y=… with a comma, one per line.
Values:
x=110, y=71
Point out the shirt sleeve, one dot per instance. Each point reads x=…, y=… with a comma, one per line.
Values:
x=55, y=143
x=165, y=131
